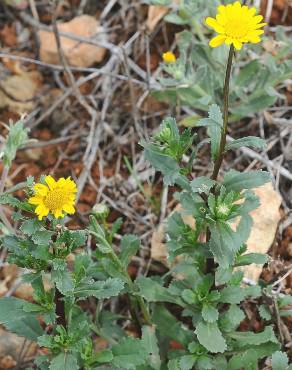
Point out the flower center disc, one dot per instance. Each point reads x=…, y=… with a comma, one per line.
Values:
x=56, y=199
x=236, y=29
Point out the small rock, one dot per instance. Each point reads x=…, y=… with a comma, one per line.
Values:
x=77, y=53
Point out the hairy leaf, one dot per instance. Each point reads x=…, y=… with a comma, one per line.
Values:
x=15, y=319
x=211, y=337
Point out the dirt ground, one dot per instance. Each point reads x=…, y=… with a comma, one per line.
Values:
x=86, y=122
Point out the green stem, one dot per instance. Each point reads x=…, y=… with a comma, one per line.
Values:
x=210, y=265
x=142, y=304
x=219, y=159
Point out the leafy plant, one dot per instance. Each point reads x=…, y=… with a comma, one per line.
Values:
x=189, y=318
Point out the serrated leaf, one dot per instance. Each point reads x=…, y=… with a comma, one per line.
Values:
x=17, y=137
x=31, y=226
x=247, y=259
x=225, y=243
x=210, y=313
x=251, y=338
x=63, y=281
x=237, y=181
x=264, y=312
x=103, y=356
x=279, y=361
x=232, y=294
x=248, y=141
x=150, y=343
x=15, y=319
x=248, y=358
x=202, y=184
x=169, y=327
x=129, y=353
x=64, y=361
x=210, y=337
x=42, y=237
x=231, y=319
x=152, y=291
x=100, y=289
x=129, y=246
x=187, y=362
x=163, y=163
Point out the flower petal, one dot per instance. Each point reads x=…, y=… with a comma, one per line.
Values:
x=217, y=41
x=237, y=44
x=51, y=182
x=58, y=213
x=211, y=22
x=68, y=208
x=35, y=200
x=41, y=189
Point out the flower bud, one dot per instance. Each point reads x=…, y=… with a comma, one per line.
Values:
x=101, y=211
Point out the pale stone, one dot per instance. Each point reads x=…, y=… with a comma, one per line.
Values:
x=77, y=53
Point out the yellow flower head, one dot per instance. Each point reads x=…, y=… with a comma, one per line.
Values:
x=54, y=197
x=169, y=57
x=236, y=24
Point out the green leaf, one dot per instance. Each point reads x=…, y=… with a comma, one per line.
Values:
x=17, y=137
x=202, y=184
x=232, y=294
x=248, y=358
x=15, y=319
x=248, y=141
x=187, y=362
x=100, y=289
x=129, y=353
x=264, y=312
x=152, y=291
x=103, y=356
x=211, y=337
x=63, y=281
x=169, y=327
x=223, y=275
x=250, y=338
x=225, y=243
x=279, y=361
x=31, y=226
x=150, y=343
x=167, y=165
x=214, y=124
x=209, y=313
x=237, y=181
x=129, y=246
x=231, y=319
x=42, y=237
x=247, y=259
x=64, y=361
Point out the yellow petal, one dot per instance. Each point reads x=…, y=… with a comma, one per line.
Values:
x=237, y=44
x=41, y=189
x=217, y=41
x=68, y=208
x=211, y=22
x=35, y=200
x=259, y=25
x=41, y=210
x=58, y=213
x=51, y=182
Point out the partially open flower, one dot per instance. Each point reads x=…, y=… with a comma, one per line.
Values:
x=169, y=57
x=55, y=197
x=236, y=24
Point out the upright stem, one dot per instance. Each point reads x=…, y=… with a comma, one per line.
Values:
x=210, y=265
x=219, y=159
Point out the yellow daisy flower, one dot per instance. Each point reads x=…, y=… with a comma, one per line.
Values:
x=236, y=24
x=169, y=57
x=54, y=197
